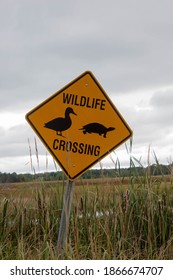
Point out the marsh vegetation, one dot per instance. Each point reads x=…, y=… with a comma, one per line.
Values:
x=111, y=218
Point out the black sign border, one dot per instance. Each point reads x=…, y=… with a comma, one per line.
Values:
x=56, y=94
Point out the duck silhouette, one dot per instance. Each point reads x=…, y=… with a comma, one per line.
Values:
x=61, y=124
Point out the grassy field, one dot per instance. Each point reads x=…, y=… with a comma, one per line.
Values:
x=129, y=218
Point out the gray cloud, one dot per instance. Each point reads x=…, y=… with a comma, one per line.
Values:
x=13, y=141
x=163, y=99
x=127, y=44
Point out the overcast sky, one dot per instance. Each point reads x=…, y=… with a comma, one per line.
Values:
x=127, y=44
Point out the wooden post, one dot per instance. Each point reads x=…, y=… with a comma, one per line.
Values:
x=65, y=216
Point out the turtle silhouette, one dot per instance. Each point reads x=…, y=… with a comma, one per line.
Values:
x=96, y=128
x=61, y=124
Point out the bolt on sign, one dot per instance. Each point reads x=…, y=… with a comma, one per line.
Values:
x=79, y=125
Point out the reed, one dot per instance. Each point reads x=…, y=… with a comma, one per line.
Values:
x=118, y=218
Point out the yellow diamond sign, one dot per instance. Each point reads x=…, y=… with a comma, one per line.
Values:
x=79, y=125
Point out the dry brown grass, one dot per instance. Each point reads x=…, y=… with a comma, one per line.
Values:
x=111, y=219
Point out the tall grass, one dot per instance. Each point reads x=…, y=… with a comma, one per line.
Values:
x=118, y=218
x=108, y=221
x=28, y=225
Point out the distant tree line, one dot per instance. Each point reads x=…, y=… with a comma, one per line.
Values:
x=90, y=174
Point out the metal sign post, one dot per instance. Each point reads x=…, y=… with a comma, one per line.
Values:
x=65, y=216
